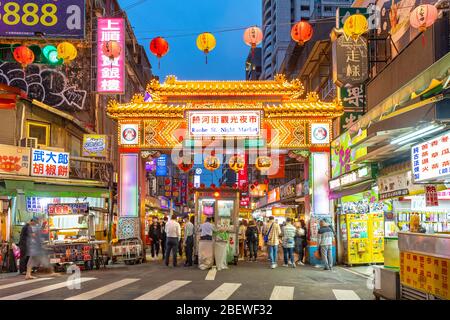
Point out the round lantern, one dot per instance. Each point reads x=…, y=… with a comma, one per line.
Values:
x=202, y=185
x=206, y=43
x=167, y=181
x=67, y=51
x=263, y=163
x=356, y=25
x=236, y=163
x=185, y=166
x=252, y=37
x=266, y=181
x=111, y=49
x=23, y=55
x=190, y=185
x=159, y=47
x=50, y=53
x=212, y=163
x=423, y=17
x=213, y=186
x=302, y=32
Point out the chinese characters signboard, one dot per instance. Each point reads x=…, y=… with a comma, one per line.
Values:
x=94, y=145
x=350, y=61
x=46, y=163
x=14, y=160
x=396, y=185
x=68, y=208
x=111, y=72
x=54, y=19
x=431, y=159
x=161, y=166
x=353, y=98
x=431, y=196
x=224, y=123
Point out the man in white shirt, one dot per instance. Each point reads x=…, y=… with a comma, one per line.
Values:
x=206, y=230
x=173, y=231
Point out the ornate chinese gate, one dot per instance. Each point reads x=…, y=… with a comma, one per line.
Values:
x=176, y=114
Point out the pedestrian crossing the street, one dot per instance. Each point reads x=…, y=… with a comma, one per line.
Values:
x=98, y=288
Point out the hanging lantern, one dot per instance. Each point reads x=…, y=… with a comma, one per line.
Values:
x=185, y=166
x=50, y=53
x=213, y=186
x=206, y=43
x=167, y=181
x=237, y=163
x=423, y=17
x=111, y=49
x=356, y=25
x=255, y=183
x=202, y=185
x=212, y=163
x=23, y=55
x=263, y=163
x=253, y=37
x=235, y=185
x=302, y=32
x=190, y=185
x=266, y=181
x=67, y=51
x=159, y=47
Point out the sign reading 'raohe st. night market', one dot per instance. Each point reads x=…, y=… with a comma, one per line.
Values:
x=224, y=123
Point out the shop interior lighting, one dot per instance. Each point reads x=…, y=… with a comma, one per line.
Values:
x=418, y=134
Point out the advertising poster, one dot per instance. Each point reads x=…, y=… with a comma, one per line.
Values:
x=342, y=153
x=14, y=160
x=52, y=19
x=95, y=145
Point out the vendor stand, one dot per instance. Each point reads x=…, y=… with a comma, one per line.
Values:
x=223, y=207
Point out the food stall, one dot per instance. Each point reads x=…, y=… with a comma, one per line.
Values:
x=223, y=207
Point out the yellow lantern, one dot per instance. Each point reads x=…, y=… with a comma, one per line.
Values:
x=263, y=163
x=356, y=25
x=211, y=163
x=206, y=43
x=236, y=163
x=66, y=51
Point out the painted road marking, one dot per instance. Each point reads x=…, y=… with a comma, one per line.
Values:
x=282, y=293
x=223, y=292
x=211, y=274
x=163, y=290
x=52, y=287
x=345, y=295
x=357, y=273
x=16, y=284
x=102, y=290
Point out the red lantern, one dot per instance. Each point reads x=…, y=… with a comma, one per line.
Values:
x=266, y=181
x=159, y=47
x=23, y=55
x=255, y=183
x=202, y=185
x=253, y=37
x=111, y=49
x=213, y=186
x=302, y=32
x=235, y=186
x=185, y=167
x=167, y=181
x=190, y=185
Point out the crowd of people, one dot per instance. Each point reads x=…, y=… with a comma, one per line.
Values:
x=173, y=236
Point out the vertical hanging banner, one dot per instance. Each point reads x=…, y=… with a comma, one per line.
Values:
x=110, y=71
x=128, y=191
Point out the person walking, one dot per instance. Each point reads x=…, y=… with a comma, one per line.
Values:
x=325, y=241
x=189, y=240
x=242, y=230
x=288, y=236
x=163, y=237
x=300, y=241
x=180, y=244
x=173, y=231
x=23, y=245
x=252, y=236
x=273, y=240
x=154, y=232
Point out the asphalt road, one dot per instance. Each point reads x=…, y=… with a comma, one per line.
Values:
x=153, y=280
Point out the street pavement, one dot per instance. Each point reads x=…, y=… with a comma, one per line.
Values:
x=153, y=281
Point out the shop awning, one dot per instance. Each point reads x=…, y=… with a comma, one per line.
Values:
x=365, y=186
x=380, y=137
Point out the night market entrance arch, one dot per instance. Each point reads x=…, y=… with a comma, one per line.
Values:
x=183, y=115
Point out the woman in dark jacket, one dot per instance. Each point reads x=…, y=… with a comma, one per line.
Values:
x=300, y=241
x=252, y=237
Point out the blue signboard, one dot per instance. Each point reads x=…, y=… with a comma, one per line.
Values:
x=161, y=166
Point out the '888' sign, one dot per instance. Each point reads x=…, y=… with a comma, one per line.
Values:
x=52, y=19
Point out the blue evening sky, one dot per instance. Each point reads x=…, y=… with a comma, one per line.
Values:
x=169, y=18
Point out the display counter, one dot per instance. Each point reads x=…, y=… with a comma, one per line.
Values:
x=424, y=263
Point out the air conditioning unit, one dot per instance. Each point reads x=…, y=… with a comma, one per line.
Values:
x=29, y=142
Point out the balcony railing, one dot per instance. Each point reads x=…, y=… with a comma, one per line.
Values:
x=91, y=169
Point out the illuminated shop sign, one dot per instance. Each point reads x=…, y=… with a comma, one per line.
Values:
x=46, y=163
x=359, y=175
x=224, y=123
x=430, y=161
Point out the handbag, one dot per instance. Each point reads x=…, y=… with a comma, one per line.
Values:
x=266, y=236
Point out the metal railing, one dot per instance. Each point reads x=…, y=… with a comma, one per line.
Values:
x=91, y=169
